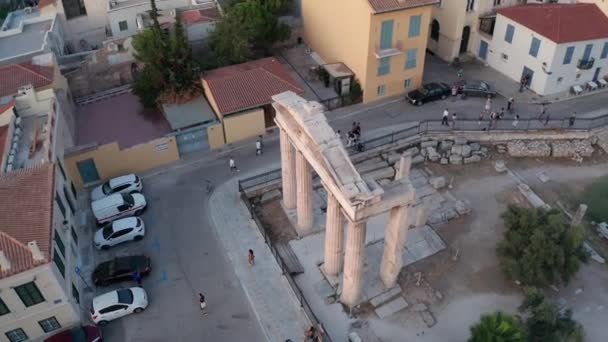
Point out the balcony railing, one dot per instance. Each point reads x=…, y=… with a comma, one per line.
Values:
x=585, y=64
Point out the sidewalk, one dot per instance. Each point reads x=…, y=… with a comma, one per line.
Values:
x=274, y=303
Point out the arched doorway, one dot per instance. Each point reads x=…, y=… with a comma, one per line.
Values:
x=464, y=41
x=435, y=30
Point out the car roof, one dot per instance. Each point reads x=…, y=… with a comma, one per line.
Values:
x=110, y=201
x=127, y=222
x=105, y=300
x=114, y=182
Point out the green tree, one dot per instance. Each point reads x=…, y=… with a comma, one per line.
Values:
x=540, y=246
x=248, y=30
x=596, y=199
x=498, y=327
x=547, y=323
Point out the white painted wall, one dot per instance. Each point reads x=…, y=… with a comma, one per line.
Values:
x=550, y=53
x=129, y=14
x=199, y=32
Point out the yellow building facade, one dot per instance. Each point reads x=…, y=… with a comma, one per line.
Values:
x=382, y=41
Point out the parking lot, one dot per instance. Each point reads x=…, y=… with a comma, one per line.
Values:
x=186, y=259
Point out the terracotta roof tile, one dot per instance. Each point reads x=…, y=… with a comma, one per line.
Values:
x=248, y=85
x=199, y=15
x=26, y=215
x=561, y=23
x=380, y=6
x=13, y=76
x=43, y=3
x=3, y=139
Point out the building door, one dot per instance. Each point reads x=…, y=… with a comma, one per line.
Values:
x=88, y=171
x=483, y=50
x=269, y=114
x=596, y=74
x=464, y=41
x=527, y=72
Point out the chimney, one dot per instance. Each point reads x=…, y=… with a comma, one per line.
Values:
x=5, y=264
x=36, y=253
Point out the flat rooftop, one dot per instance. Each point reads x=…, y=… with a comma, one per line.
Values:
x=16, y=41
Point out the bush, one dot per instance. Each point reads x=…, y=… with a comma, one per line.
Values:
x=498, y=327
x=540, y=247
x=596, y=198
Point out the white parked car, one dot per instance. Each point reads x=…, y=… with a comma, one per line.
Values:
x=118, y=303
x=119, y=185
x=116, y=206
x=119, y=231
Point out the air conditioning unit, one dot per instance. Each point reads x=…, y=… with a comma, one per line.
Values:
x=113, y=4
x=17, y=131
x=11, y=158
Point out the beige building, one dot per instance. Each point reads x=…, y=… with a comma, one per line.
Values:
x=241, y=96
x=39, y=290
x=382, y=41
x=455, y=25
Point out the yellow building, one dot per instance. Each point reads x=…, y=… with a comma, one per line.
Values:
x=382, y=41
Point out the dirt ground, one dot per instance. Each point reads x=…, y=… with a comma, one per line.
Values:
x=276, y=222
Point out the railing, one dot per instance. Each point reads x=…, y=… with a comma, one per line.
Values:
x=296, y=289
x=435, y=126
x=585, y=64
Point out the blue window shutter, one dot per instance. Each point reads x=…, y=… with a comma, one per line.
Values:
x=534, y=46
x=604, y=51
x=587, y=52
x=410, y=58
x=414, y=30
x=384, y=66
x=386, y=35
x=509, y=33
x=568, y=55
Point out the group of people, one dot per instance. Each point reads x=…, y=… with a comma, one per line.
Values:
x=354, y=135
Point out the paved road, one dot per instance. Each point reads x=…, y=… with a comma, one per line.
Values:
x=186, y=259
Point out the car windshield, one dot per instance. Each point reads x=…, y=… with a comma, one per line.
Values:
x=125, y=296
x=106, y=188
x=107, y=230
x=128, y=199
x=483, y=86
x=78, y=335
x=423, y=90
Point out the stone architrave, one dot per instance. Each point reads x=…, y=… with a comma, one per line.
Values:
x=304, y=195
x=354, y=259
x=579, y=215
x=394, y=241
x=288, y=172
x=334, y=237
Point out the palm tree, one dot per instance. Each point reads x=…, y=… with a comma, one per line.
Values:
x=498, y=327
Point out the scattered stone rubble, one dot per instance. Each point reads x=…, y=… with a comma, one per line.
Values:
x=575, y=149
x=457, y=152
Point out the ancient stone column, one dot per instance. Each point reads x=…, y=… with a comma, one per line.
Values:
x=304, y=195
x=334, y=237
x=354, y=259
x=288, y=174
x=394, y=242
x=405, y=164
x=579, y=215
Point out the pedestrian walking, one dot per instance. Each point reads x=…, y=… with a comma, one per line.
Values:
x=258, y=147
x=571, y=120
x=480, y=118
x=232, y=165
x=454, y=89
x=445, y=117
x=339, y=134
x=357, y=130
x=453, y=120
x=251, y=257
x=488, y=104
x=351, y=139
x=501, y=113
x=137, y=277
x=516, y=121
x=510, y=104
x=310, y=335
x=203, y=303
x=493, y=118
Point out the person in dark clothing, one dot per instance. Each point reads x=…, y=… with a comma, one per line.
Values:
x=572, y=120
x=137, y=277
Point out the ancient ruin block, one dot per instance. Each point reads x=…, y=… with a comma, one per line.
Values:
x=534, y=148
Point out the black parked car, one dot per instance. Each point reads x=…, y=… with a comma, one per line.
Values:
x=476, y=88
x=428, y=92
x=121, y=269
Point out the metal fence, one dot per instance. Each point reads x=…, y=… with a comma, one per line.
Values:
x=296, y=289
x=508, y=124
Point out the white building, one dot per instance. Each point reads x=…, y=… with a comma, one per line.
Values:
x=28, y=32
x=556, y=45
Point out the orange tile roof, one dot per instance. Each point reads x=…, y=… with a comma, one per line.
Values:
x=381, y=6
x=13, y=76
x=199, y=15
x=26, y=215
x=561, y=23
x=43, y=3
x=3, y=139
x=248, y=85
